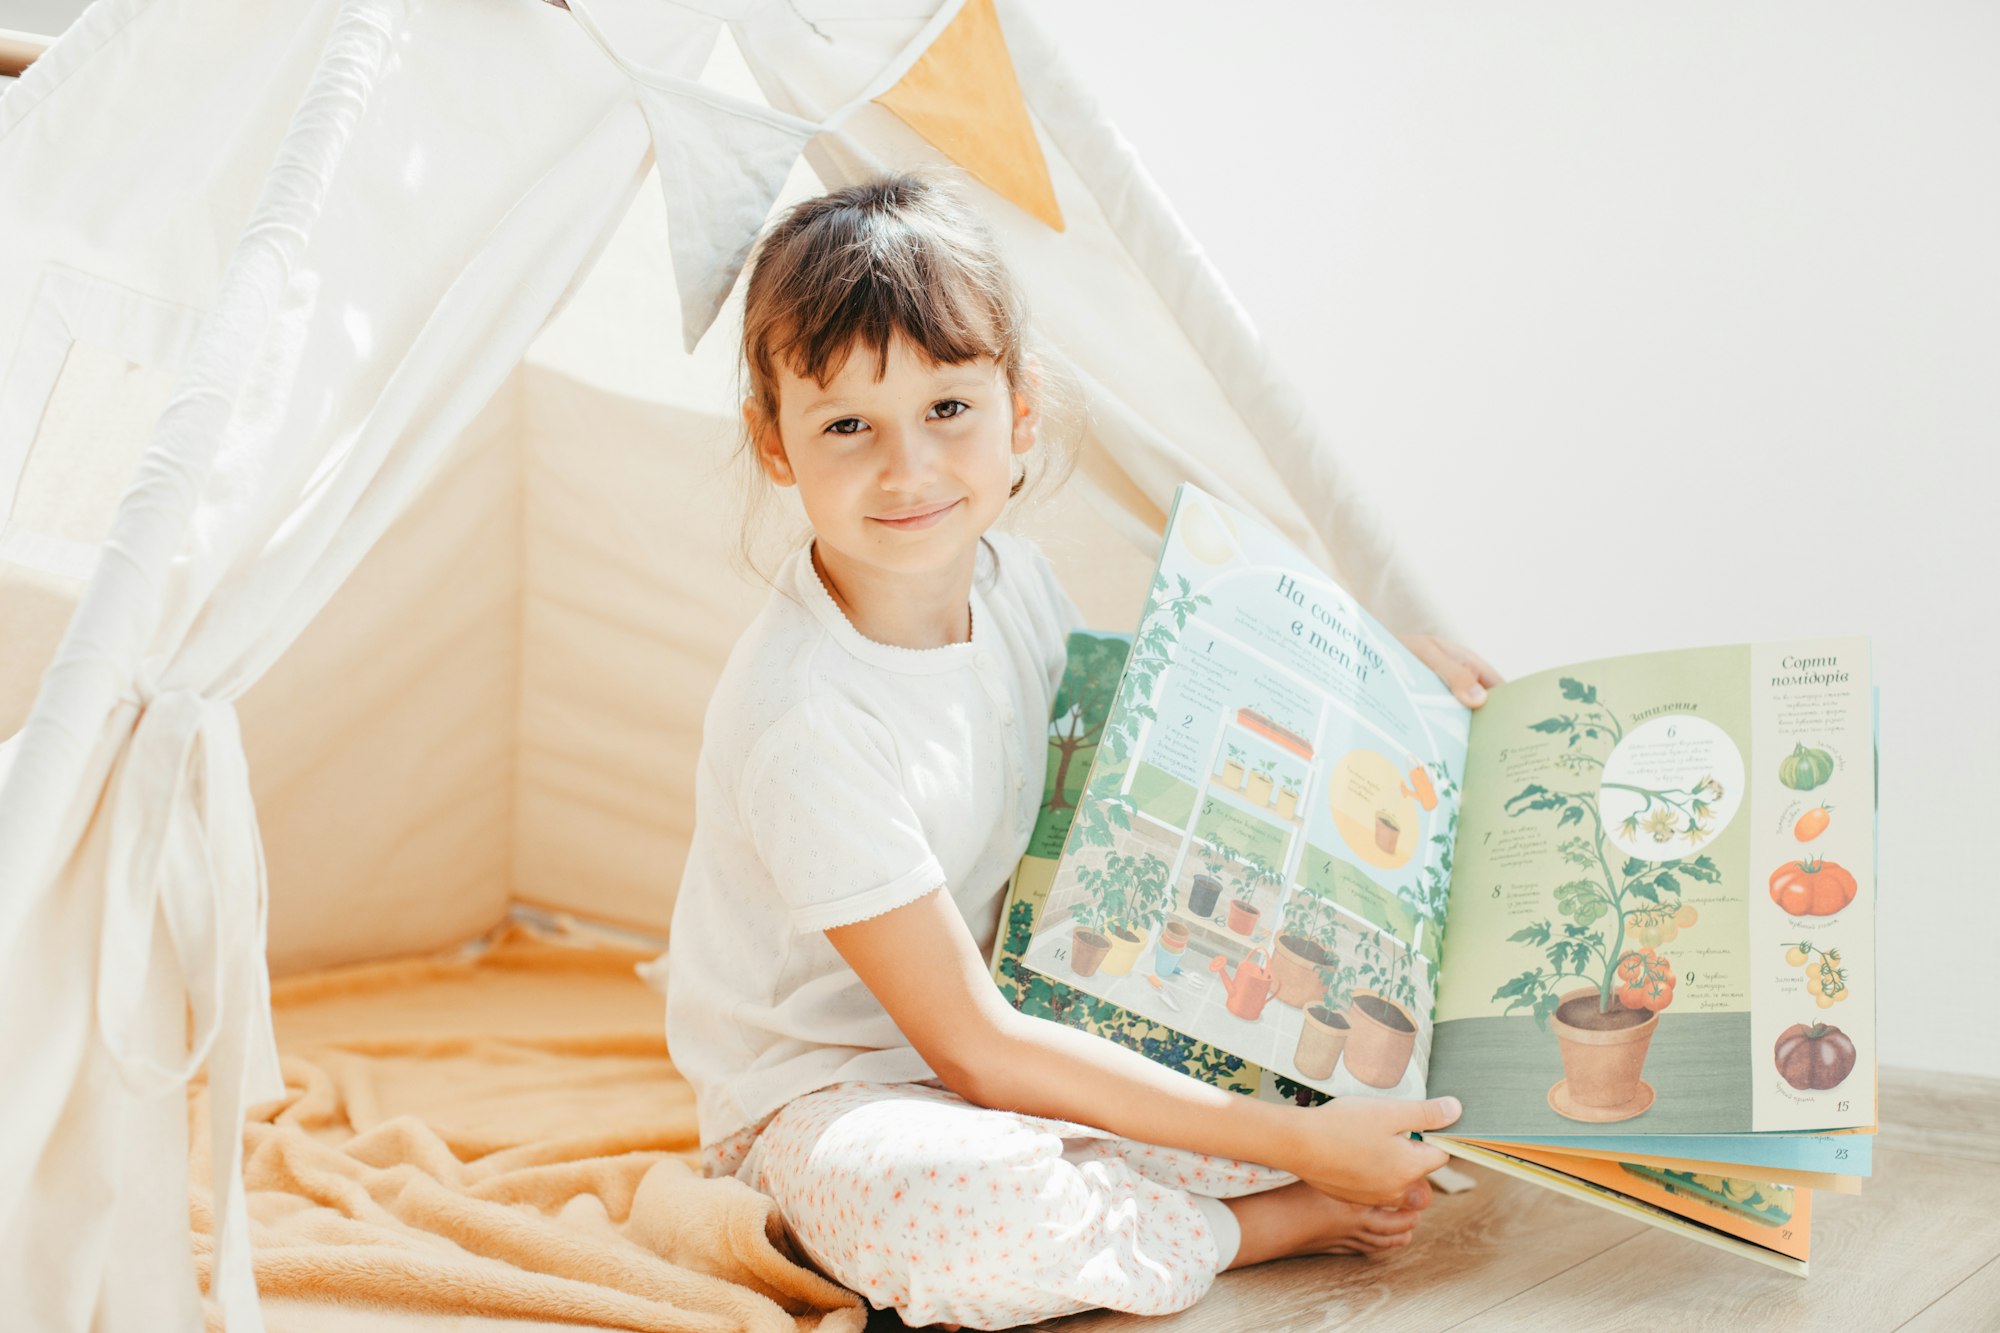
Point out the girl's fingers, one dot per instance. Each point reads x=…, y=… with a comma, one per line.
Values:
x=1481, y=669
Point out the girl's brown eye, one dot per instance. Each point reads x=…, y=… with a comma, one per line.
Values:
x=957, y=408
x=845, y=426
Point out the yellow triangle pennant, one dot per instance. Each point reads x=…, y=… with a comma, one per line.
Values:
x=962, y=96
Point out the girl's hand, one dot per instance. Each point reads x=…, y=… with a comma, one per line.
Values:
x=1359, y=1149
x=1465, y=671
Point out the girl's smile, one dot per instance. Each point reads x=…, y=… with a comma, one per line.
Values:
x=920, y=518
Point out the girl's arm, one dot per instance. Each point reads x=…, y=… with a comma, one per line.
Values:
x=921, y=963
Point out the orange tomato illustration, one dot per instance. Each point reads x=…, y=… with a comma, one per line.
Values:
x=1812, y=823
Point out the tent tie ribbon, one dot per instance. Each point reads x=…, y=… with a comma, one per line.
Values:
x=185, y=850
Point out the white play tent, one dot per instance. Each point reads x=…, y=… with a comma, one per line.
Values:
x=365, y=529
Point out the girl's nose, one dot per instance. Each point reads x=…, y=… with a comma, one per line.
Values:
x=906, y=459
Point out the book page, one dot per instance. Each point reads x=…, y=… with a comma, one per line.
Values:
x=1769, y=1214
x=1260, y=856
x=1663, y=917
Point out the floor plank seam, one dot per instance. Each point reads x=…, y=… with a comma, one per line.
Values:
x=1953, y=1287
x=1515, y=1296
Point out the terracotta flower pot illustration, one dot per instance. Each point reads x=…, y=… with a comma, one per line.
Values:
x=1296, y=964
x=1378, y=1050
x=1203, y=894
x=1321, y=1039
x=1173, y=943
x=1087, y=951
x=1387, y=831
x=1243, y=915
x=1602, y=1054
x=1125, y=946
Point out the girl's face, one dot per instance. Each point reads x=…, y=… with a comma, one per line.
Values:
x=899, y=475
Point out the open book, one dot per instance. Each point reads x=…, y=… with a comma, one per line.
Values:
x=1624, y=911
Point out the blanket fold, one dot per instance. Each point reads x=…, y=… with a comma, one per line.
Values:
x=499, y=1135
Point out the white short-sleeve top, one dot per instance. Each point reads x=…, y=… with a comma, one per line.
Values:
x=840, y=778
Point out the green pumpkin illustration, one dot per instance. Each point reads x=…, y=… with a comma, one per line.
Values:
x=1804, y=769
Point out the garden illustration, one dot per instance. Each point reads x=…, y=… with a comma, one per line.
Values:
x=1208, y=893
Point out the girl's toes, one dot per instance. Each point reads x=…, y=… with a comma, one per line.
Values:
x=1390, y=1221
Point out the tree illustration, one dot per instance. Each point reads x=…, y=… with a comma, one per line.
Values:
x=1166, y=615
x=1087, y=690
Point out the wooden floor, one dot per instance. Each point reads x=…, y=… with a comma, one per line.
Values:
x=1919, y=1249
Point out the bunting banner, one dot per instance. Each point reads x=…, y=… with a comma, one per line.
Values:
x=962, y=96
x=721, y=166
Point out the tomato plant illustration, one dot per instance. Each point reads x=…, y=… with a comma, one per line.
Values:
x=1645, y=981
x=1609, y=905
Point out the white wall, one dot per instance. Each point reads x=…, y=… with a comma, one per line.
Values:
x=1648, y=326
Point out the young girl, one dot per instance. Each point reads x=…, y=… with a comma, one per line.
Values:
x=871, y=766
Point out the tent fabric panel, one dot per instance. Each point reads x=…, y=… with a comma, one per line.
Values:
x=128, y=89
x=234, y=599
x=382, y=743
x=35, y=607
x=631, y=601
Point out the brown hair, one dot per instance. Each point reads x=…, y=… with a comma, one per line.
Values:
x=851, y=269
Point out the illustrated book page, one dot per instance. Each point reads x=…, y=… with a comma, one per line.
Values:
x=1662, y=920
x=1258, y=860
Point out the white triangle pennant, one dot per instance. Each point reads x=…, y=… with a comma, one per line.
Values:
x=722, y=164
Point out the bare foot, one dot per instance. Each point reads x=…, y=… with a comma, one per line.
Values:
x=1298, y=1219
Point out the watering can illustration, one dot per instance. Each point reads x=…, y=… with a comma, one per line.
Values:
x=1420, y=785
x=1252, y=985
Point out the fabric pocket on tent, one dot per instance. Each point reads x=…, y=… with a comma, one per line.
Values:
x=95, y=367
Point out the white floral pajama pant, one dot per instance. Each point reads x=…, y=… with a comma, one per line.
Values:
x=952, y=1213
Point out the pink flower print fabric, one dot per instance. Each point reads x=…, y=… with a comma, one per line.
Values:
x=952, y=1213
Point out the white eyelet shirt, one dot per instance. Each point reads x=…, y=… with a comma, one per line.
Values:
x=841, y=778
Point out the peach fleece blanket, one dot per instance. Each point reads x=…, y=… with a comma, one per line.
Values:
x=497, y=1139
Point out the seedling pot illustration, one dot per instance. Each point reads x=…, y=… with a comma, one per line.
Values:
x=1602, y=1054
x=1202, y=897
x=1288, y=802
x=1243, y=915
x=1126, y=945
x=1173, y=943
x=1252, y=986
x=1383, y=1038
x=1321, y=1039
x=1296, y=963
x=1087, y=950
x=1232, y=769
x=1284, y=736
x=1387, y=831
x=1258, y=788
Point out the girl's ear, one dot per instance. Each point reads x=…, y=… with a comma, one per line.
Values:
x=1028, y=405
x=766, y=444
